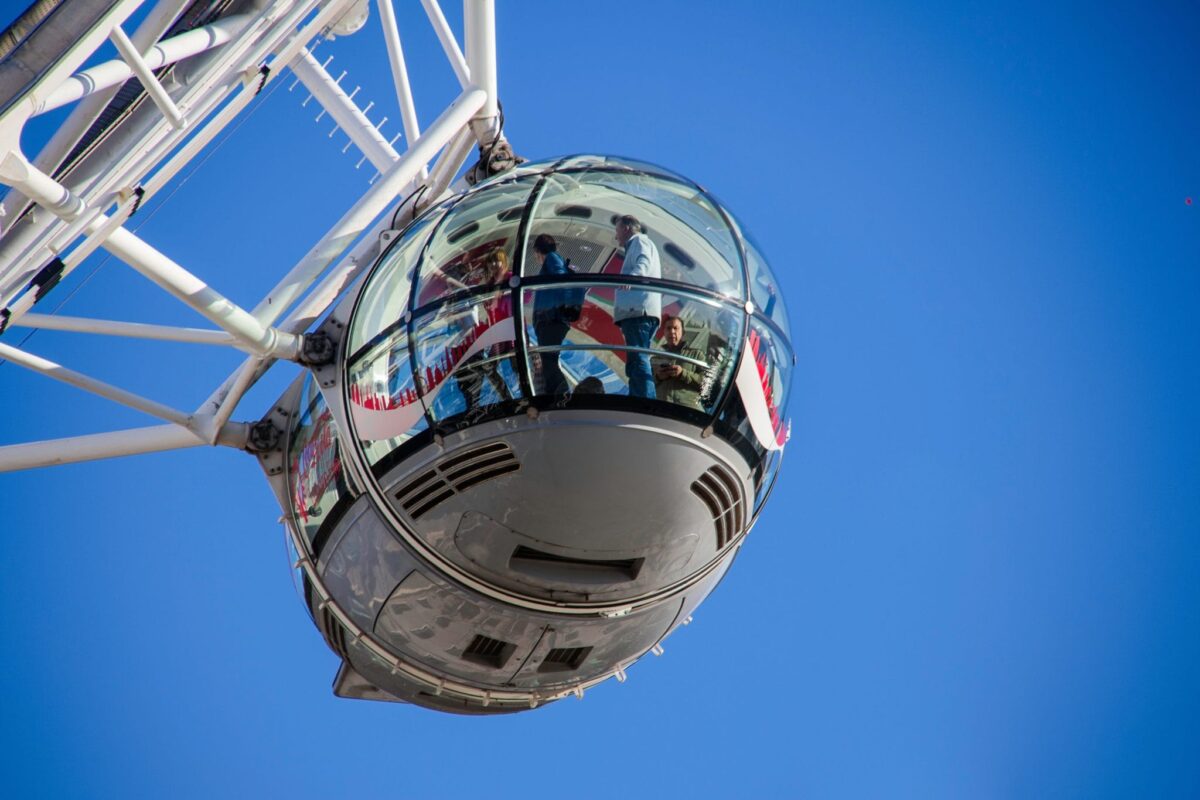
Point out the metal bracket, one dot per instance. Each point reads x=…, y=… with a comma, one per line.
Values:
x=317, y=349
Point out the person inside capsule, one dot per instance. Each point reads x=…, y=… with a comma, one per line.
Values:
x=486, y=363
x=635, y=310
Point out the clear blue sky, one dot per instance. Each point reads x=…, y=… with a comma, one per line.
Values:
x=979, y=574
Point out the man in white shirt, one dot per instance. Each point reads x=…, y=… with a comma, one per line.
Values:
x=635, y=310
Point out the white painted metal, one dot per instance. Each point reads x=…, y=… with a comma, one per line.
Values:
x=449, y=43
x=135, y=330
x=155, y=266
x=144, y=73
x=391, y=38
x=326, y=91
x=236, y=48
x=114, y=73
x=96, y=446
x=371, y=204
x=479, y=17
x=82, y=116
x=81, y=381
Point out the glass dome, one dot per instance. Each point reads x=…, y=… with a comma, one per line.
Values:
x=586, y=281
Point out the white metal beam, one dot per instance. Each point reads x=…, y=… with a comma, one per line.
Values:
x=162, y=271
x=97, y=446
x=145, y=74
x=345, y=113
x=391, y=37
x=88, y=384
x=369, y=206
x=449, y=43
x=115, y=72
x=133, y=330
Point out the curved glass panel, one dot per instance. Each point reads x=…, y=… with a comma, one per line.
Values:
x=465, y=355
x=391, y=282
x=384, y=404
x=764, y=290
x=686, y=239
x=770, y=358
x=682, y=352
x=315, y=478
x=475, y=243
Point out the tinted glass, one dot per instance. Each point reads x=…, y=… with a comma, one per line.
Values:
x=465, y=356
x=315, y=477
x=479, y=230
x=387, y=299
x=771, y=358
x=576, y=345
x=384, y=404
x=691, y=242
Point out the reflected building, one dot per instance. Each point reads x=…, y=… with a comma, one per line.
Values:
x=472, y=538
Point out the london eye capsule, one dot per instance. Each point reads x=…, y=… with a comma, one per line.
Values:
x=556, y=411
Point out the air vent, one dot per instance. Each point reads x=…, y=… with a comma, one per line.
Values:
x=335, y=634
x=456, y=474
x=579, y=212
x=510, y=214
x=676, y=253
x=719, y=492
x=564, y=659
x=463, y=232
x=488, y=652
x=549, y=566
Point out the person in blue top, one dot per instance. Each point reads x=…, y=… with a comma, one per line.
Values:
x=636, y=311
x=550, y=324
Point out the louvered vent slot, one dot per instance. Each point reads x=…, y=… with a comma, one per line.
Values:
x=488, y=652
x=549, y=565
x=719, y=492
x=564, y=659
x=456, y=474
x=335, y=634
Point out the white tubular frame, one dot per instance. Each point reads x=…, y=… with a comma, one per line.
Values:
x=243, y=54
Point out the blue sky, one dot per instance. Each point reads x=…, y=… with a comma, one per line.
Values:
x=978, y=575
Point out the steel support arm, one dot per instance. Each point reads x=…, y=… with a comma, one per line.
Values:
x=169, y=276
x=97, y=446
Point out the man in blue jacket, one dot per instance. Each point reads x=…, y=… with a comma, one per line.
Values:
x=637, y=311
x=549, y=322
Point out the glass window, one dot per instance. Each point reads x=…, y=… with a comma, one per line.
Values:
x=692, y=242
x=315, y=477
x=474, y=235
x=682, y=352
x=768, y=369
x=384, y=405
x=465, y=355
x=386, y=300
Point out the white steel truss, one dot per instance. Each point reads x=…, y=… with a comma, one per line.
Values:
x=230, y=60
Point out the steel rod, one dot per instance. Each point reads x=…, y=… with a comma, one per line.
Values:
x=145, y=74
x=449, y=43
x=133, y=330
x=76, y=449
x=391, y=37
x=88, y=384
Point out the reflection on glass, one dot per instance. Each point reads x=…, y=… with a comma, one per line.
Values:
x=763, y=381
x=390, y=285
x=470, y=234
x=315, y=478
x=580, y=210
x=691, y=356
x=764, y=291
x=465, y=358
x=384, y=403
